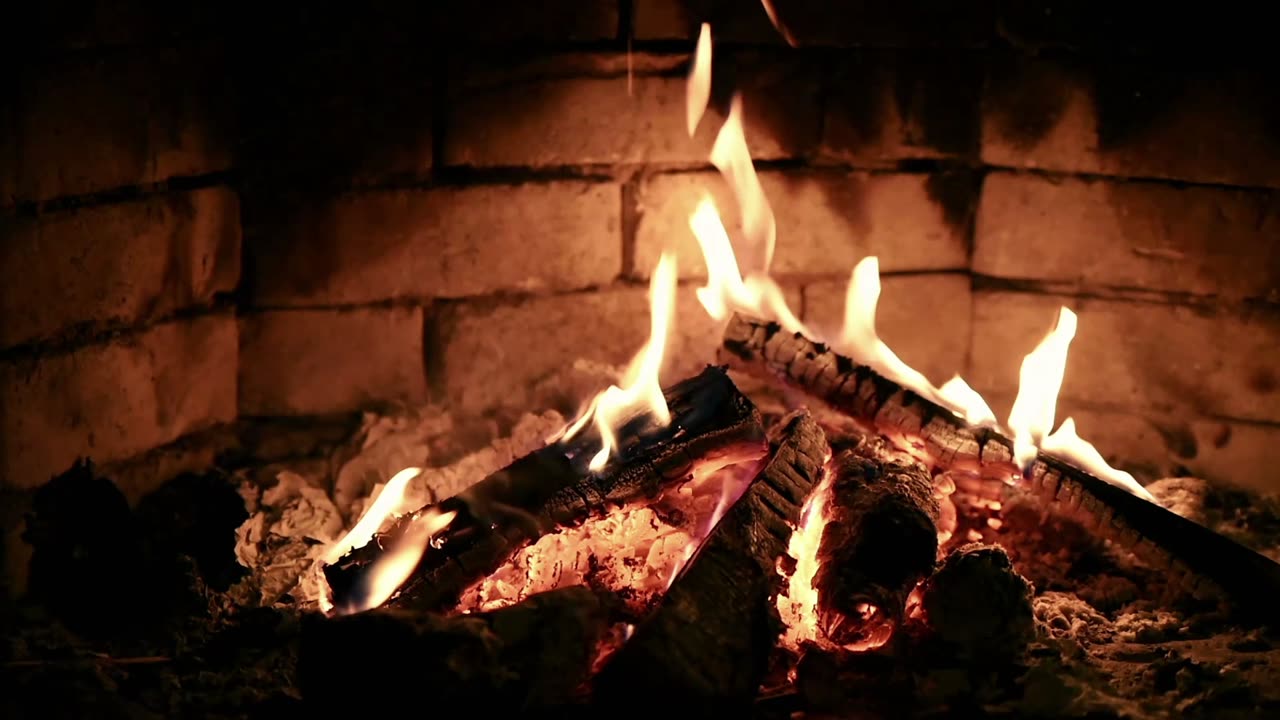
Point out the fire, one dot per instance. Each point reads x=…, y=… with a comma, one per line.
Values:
x=641, y=389
x=386, y=574
x=698, y=89
x=1069, y=446
x=799, y=606
x=1039, y=380
x=732, y=485
x=387, y=503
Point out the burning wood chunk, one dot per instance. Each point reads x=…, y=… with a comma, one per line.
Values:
x=1201, y=561
x=880, y=540
x=978, y=605
x=712, y=425
x=710, y=638
x=535, y=654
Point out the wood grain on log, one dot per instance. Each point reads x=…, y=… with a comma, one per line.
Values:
x=1205, y=563
x=708, y=642
x=535, y=654
x=880, y=539
x=711, y=423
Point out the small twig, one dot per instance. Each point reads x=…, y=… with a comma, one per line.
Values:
x=93, y=657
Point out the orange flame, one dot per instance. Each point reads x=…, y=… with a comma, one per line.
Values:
x=698, y=89
x=386, y=574
x=1039, y=381
x=1069, y=446
x=387, y=503
x=777, y=24
x=641, y=389
x=732, y=158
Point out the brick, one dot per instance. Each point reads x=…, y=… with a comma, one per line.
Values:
x=1133, y=120
x=520, y=21
x=494, y=354
x=323, y=113
x=117, y=264
x=913, y=23
x=85, y=126
x=567, y=119
x=827, y=222
x=443, y=242
x=924, y=319
x=887, y=106
x=314, y=362
x=1109, y=27
x=1146, y=235
x=1168, y=358
x=116, y=399
x=730, y=21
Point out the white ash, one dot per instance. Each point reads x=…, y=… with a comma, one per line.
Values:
x=293, y=521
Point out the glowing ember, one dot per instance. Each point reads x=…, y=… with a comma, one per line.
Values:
x=732, y=484
x=394, y=565
x=641, y=390
x=635, y=551
x=799, y=606
x=698, y=89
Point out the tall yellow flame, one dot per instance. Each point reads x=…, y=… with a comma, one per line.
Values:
x=386, y=574
x=641, y=389
x=698, y=89
x=732, y=158
x=1039, y=381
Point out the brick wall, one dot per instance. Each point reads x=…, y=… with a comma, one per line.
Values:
x=262, y=212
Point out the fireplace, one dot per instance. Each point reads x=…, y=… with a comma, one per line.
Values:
x=592, y=355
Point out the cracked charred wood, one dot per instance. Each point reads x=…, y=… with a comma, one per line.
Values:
x=978, y=605
x=1202, y=562
x=707, y=644
x=535, y=654
x=711, y=423
x=880, y=540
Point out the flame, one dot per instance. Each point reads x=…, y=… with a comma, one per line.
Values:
x=698, y=89
x=388, y=503
x=1039, y=381
x=732, y=158
x=799, y=606
x=1069, y=446
x=777, y=24
x=386, y=574
x=641, y=389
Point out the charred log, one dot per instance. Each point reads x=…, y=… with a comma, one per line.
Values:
x=1202, y=562
x=535, y=654
x=711, y=423
x=880, y=540
x=708, y=642
x=978, y=606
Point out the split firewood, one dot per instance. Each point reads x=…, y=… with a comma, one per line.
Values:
x=712, y=424
x=978, y=606
x=708, y=642
x=1204, y=563
x=535, y=654
x=880, y=540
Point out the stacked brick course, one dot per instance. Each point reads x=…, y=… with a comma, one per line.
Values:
x=209, y=218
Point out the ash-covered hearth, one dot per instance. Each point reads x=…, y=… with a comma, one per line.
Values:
x=633, y=357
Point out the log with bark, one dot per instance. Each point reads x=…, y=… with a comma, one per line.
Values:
x=708, y=642
x=1204, y=563
x=712, y=424
x=533, y=655
x=879, y=541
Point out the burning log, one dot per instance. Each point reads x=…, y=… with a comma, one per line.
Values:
x=1203, y=562
x=708, y=642
x=978, y=605
x=535, y=654
x=712, y=425
x=880, y=540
